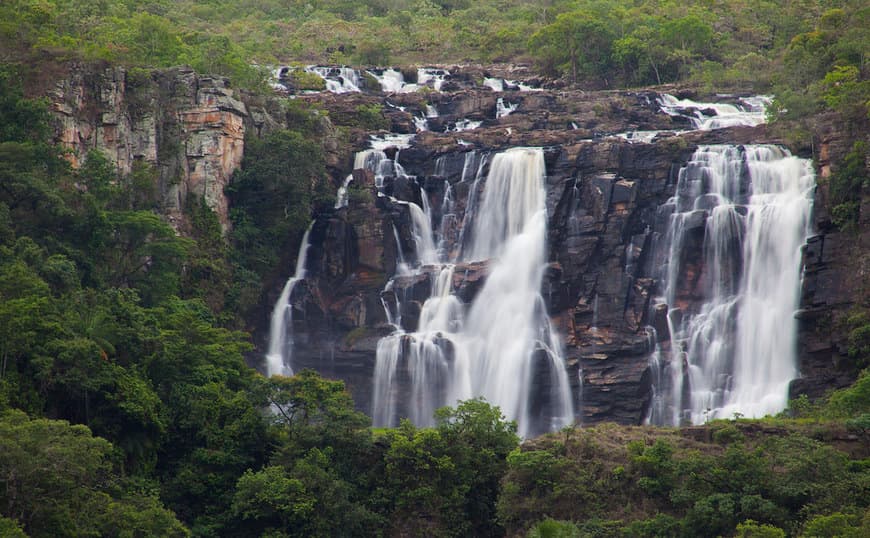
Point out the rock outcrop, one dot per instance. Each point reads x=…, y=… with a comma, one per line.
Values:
x=602, y=196
x=190, y=127
x=603, y=189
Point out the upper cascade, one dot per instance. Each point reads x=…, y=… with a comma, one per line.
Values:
x=338, y=79
x=708, y=116
x=734, y=351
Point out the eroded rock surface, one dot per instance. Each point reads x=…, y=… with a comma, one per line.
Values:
x=190, y=127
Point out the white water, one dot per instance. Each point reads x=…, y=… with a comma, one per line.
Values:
x=392, y=80
x=384, y=141
x=464, y=125
x=735, y=352
x=338, y=79
x=642, y=136
x=752, y=112
x=500, y=85
x=495, y=84
x=280, y=354
x=503, y=109
x=375, y=160
x=341, y=195
x=421, y=123
x=493, y=347
x=432, y=76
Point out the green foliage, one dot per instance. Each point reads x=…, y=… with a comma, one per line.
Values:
x=576, y=43
x=669, y=486
x=851, y=401
x=270, y=495
x=281, y=179
x=858, y=327
x=847, y=183
x=598, y=42
x=752, y=529
x=837, y=525
x=305, y=81
x=60, y=481
x=550, y=528
x=371, y=118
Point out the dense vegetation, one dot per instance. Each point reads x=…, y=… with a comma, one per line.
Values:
x=126, y=406
x=602, y=42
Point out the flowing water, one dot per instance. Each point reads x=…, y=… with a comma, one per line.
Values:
x=280, y=354
x=503, y=109
x=338, y=79
x=708, y=116
x=733, y=351
x=501, y=345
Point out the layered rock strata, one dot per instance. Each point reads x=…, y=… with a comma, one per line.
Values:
x=190, y=127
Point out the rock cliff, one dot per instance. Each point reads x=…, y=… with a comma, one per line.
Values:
x=190, y=127
x=604, y=181
x=602, y=196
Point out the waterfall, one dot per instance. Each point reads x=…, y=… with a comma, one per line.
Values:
x=434, y=75
x=708, y=116
x=495, y=84
x=338, y=79
x=732, y=352
x=464, y=124
x=500, y=85
x=341, y=195
x=502, y=109
x=391, y=80
x=278, y=358
x=502, y=345
x=421, y=228
x=512, y=195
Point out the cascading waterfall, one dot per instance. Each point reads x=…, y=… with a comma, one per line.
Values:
x=495, y=84
x=280, y=354
x=432, y=75
x=750, y=113
x=376, y=161
x=464, y=125
x=500, y=85
x=735, y=352
x=503, y=109
x=337, y=79
x=500, y=345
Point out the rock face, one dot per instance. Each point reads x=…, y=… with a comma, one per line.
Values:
x=190, y=127
x=836, y=280
x=602, y=196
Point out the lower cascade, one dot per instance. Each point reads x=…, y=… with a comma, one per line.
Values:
x=729, y=248
x=501, y=346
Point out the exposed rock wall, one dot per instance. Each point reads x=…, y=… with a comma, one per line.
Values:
x=602, y=195
x=836, y=281
x=190, y=127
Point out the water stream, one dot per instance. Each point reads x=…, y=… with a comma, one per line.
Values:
x=731, y=304
x=501, y=345
x=280, y=354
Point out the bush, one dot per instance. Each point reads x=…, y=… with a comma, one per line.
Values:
x=751, y=529
x=371, y=118
x=305, y=81
x=550, y=528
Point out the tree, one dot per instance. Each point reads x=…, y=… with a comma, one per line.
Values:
x=575, y=42
x=58, y=480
